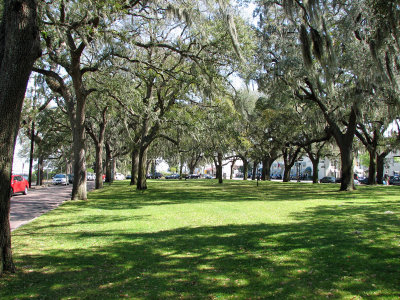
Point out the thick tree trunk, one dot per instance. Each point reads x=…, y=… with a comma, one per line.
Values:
x=232, y=166
x=254, y=173
x=245, y=168
x=266, y=170
x=219, y=167
x=191, y=169
x=19, y=48
x=346, y=155
x=99, y=167
x=40, y=173
x=289, y=158
x=315, y=163
x=141, y=182
x=380, y=166
x=372, y=167
x=79, y=190
x=180, y=167
x=286, y=174
x=135, y=166
x=109, y=159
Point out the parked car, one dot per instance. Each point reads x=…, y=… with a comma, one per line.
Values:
x=19, y=185
x=128, y=176
x=91, y=176
x=70, y=178
x=60, y=179
x=328, y=179
x=395, y=181
x=172, y=176
x=157, y=175
x=119, y=176
x=208, y=176
x=193, y=176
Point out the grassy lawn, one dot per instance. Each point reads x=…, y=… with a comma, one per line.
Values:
x=200, y=240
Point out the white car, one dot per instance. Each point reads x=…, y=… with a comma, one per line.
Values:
x=60, y=179
x=119, y=176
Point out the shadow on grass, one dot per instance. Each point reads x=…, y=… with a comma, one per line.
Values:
x=331, y=252
x=178, y=192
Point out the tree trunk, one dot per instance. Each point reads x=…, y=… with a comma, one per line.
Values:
x=141, y=181
x=219, y=167
x=232, y=166
x=372, y=167
x=135, y=166
x=315, y=163
x=289, y=158
x=99, y=167
x=180, y=167
x=286, y=174
x=79, y=191
x=19, y=48
x=254, y=173
x=346, y=155
x=245, y=168
x=32, y=137
x=380, y=166
x=191, y=169
x=109, y=158
x=266, y=170
x=40, y=173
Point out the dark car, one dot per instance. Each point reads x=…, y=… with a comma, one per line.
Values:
x=19, y=185
x=208, y=176
x=328, y=179
x=395, y=181
x=156, y=175
x=193, y=176
x=172, y=176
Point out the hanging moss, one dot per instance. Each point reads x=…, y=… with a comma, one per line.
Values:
x=318, y=44
x=305, y=46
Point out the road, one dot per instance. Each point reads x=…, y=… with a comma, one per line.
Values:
x=25, y=208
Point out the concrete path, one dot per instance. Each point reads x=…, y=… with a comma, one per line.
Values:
x=25, y=208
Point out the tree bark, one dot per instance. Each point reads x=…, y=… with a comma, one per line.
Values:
x=109, y=158
x=254, y=173
x=218, y=166
x=232, y=166
x=346, y=155
x=19, y=48
x=40, y=173
x=315, y=161
x=220, y=178
x=99, y=166
x=79, y=190
x=135, y=166
x=141, y=181
x=372, y=167
x=266, y=170
x=380, y=166
x=289, y=158
x=245, y=167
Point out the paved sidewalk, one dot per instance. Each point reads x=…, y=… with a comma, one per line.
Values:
x=25, y=208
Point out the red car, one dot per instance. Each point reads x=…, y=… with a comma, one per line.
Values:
x=19, y=184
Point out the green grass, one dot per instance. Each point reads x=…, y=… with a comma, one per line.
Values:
x=200, y=240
